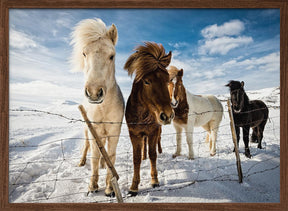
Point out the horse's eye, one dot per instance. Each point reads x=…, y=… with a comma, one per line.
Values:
x=111, y=57
x=146, y=82
x=84, y=54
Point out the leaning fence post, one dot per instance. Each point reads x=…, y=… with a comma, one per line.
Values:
x=105, y=156
x=238, y=162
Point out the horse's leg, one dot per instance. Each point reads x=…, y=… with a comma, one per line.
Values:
x=237, y=130
x=214, y=126
x=95, y=158
x=246, y=140
x=178, y=129
x=159, y=141
x=137, y=162
x=102, y=160
x=85, y=149
x=207, y=128
x=144, y=148
x=153, y=139
x=112, y=144
x=260, y=133
x=254, y=136
x=189, y=139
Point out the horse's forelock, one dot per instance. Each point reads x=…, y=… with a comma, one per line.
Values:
x=234, y=85
x=173, y=72
x=147, y=58
x=85, y=32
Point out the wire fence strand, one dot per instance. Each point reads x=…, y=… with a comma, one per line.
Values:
x=126, y=172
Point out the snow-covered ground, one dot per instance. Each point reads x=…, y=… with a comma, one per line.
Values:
x=45, y=150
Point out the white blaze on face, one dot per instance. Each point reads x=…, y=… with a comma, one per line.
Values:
x=173, y=100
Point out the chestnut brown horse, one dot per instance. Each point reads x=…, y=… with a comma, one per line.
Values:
x=148, y=106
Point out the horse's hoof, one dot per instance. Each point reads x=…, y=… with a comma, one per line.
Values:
x=190, y=157
x=260, y=147
x=213, y=154
x=247, y=153
x=248, y=156
x=155, y=185
x=175, y=155
x=132, y=193
x=111, y=195
x=93, y=189
x=82, y=162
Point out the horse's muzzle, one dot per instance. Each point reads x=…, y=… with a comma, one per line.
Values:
x=96, y=98
x=165, y=119
x=174, y=104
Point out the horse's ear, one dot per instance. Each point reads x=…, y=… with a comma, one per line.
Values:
x=180, y=73
x=242, y=84
x=113, y=34
x=166, y=59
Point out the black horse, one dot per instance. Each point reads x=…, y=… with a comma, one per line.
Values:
x=247, y=114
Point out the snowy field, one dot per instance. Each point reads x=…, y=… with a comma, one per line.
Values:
x=44, y=150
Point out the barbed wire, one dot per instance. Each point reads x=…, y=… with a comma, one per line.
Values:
x=73, y=120
x=178, y=184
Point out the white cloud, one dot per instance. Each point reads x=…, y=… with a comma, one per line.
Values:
x=269, y=63
x=64, y=22
x=206, y=75
x=223, y=45
x=222, y=39
x=214, y=73
x=178, y=44
x=233, y=27
x=21, y=40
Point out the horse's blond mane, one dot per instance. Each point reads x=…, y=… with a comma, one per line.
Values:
x=147, y=58
x=85, y=33
x=173, y=71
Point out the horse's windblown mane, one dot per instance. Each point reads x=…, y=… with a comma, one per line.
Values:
x=85, y=33
x=147, y=58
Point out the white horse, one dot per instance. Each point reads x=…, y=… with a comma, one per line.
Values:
x=193, y=111
x=94, y=54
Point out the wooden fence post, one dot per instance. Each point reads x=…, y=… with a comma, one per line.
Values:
x=232, y=126
x=105, y=156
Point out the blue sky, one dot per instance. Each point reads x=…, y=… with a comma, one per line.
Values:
x=213, y=46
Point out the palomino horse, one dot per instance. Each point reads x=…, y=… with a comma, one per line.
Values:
x=247, y=114
x=148, y=106
x=193, y=111
x=94, y=54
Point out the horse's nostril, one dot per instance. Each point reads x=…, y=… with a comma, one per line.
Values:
x=163, y=117
x=100, y=93
x=87, y=93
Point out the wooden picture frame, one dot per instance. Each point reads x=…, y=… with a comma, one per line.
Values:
x=4, y=102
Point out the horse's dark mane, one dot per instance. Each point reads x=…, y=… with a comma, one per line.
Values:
x=146, y=59
x=246, y=99
x=236, y=85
